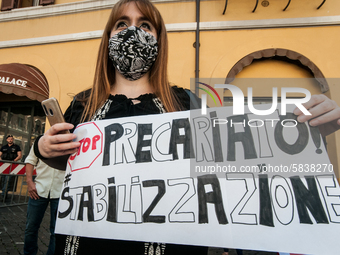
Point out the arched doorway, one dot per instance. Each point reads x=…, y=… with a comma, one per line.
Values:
x=304, y=67
x=286, y=64
x=22, y=88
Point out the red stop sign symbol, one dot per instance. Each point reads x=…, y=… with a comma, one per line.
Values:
x=91, y=146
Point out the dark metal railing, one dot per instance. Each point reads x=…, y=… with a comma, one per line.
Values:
x=13, y=176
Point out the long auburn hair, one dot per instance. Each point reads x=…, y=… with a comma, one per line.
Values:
x=105, y=72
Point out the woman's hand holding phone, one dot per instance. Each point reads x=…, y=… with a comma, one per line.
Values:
x=54, y=143
x=57, y=141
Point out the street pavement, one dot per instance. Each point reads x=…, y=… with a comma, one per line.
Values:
x=12, y=230
x=12, y=233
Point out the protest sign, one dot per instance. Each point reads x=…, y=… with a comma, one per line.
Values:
x=249, y=182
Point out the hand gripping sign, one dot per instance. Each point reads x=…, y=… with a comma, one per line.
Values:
x=91, y=144
x=170, y=177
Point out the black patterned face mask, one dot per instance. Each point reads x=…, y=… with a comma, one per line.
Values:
x=133, y=52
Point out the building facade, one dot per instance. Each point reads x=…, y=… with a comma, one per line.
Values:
x=236, y=38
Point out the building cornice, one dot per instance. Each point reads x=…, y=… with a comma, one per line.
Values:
x=52, y=39
x=53, y=10
x=271, y=23
x=187, y=27
x=61, y=9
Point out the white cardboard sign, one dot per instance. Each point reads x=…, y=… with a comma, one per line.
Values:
x=216, y=180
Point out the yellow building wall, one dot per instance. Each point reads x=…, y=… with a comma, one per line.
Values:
x=68, y=67
x=242, y=9
x=55, y=25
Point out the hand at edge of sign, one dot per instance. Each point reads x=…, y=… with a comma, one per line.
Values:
x=53, y=144
x=325, y=114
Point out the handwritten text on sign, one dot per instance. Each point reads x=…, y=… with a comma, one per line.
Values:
x=165, y=178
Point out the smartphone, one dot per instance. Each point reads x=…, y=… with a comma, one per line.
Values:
x=53, y=112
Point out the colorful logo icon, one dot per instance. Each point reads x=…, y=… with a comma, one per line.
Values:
x=209, y=93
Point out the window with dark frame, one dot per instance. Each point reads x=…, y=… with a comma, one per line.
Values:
x=8, y=5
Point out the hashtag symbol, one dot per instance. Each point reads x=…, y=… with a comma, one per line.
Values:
x=67, y=179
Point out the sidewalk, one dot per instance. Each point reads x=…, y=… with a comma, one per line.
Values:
x=12, y=232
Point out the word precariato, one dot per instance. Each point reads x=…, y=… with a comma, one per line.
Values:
x=131, y=142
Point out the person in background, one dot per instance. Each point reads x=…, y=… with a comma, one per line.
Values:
x=11, y=152
x=43, y=191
